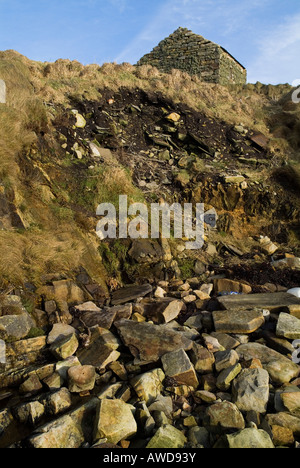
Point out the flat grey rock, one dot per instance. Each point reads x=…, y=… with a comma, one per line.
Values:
x=281, y=369
x=148, y=342
x=288, y=326
x=238, y=321
x=250, y=390
x=130, y=293
x=270, y=301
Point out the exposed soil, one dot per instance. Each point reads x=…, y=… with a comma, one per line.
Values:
x=135, y=125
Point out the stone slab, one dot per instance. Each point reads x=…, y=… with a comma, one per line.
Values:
x=270, y=301
x=281, y=369
x=130, y=294
x=148, y=342
x=238, y=321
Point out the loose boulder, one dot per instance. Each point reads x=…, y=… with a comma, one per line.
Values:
x=149, y=342
x=81, y=378
x=148, y=386
x=178, y=366
x=114, y=421
x=250, y=390
x=167, y=437
x=249, y=438
x=281, y=369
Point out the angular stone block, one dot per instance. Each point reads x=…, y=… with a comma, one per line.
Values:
x=238, y=321
x=177, y=365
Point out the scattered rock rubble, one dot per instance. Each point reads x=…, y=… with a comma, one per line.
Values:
x=154, y=371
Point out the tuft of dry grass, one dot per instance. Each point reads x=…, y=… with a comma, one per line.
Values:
x=57, y=82
x=29, y=255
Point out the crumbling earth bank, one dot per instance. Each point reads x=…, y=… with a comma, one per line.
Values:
x=178, y=154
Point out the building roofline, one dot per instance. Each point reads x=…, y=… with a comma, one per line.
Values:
x=224, y=50
x=180, y=29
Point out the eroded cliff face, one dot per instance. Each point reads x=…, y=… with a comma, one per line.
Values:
x=178, y=154
x=75, y=136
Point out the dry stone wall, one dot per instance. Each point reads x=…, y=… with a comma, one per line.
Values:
x=230, y=71
x=183, y=50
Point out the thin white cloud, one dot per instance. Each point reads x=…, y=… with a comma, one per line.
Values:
x=120, y=5
x=230, y=16
x=272, y=50
x=278, y=54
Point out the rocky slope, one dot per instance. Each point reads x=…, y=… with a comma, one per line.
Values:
x=166, y=367
x=172, y=355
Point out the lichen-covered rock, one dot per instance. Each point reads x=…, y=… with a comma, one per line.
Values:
x=58, y=402
x=291, y=401
x=5, y=420
x=102, y=349
x=80, y=121
x=167, y=437
x=281, y=369
x=65, y=293
x=178, y=366
x=195, y=321
x=148, y=386
x=288, y=326
x=223, y=417
x=250, y=438
x=225, y=359
x=69, y=431
x=149, y=342
x=226, y=285
x=54, y=381
x=172, y=311
x=15, y=327
x=282, y=436
x=98, y=355
x=92, y=316
x=29, y=413
x=62, y=367
x=162, y=403
x=250, y=390
x=202, y=359
x=114, y=421
x=65, y=347
x=198, y=436
x=25, y=352
x=31, y=385
x=59, y=331
x=227, y=376
x=238, y=321
x=287, y=420
x=124, y=295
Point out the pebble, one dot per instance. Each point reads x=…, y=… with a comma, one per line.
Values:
x=81, y=378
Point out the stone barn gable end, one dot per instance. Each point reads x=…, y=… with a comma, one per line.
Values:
x=183, y=50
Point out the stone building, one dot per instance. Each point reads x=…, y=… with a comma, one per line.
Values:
x=189, y=52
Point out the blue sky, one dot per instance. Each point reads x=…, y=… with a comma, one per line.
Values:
x=264, y=35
